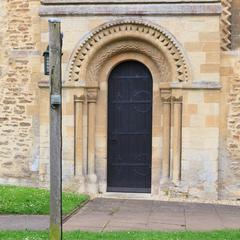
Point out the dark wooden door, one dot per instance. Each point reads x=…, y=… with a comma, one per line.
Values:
x=129, y=128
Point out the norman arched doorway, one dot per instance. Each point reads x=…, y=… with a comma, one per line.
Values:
x=129, y=128
x=87, y=81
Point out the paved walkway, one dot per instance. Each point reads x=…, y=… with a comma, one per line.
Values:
x=23, y=222
x=114, y=215
x=103, y=214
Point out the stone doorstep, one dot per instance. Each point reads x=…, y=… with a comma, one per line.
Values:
x=125, y=196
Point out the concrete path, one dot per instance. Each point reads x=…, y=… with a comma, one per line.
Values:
x=23, y=222
x=118, y=214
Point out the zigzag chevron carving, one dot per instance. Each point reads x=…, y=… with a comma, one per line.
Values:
x=155, y=33
x=225, y=25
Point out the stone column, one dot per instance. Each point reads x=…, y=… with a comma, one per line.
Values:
x=166, y=138
x=91, y=165
x=78, y=170
x=176, y=143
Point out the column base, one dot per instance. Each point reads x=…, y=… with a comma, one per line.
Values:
x=82, y=184
x=164, y=181
x=75, y=184
x=102, y=187
x=92, y=185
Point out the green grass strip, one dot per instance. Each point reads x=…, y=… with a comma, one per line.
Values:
x=24, y=200
x=77, y=235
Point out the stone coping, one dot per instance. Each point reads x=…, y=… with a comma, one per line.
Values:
x=174, y=85
x=121, y=1
x=194, y=85
x=204, y=8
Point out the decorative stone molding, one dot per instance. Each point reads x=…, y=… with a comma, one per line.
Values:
x=166, y=95
x=80, y=98
x=225, y=25
x=119, y=1
x=133, y=46
x=194, y=85
x=130, y=8
x=166, y=99
x=177, y=99
x=78, y=141
x=172, y=137
x=142, y=30
x=92, y=95
x=91, y=164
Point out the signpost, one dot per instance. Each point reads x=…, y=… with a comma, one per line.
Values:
x=55, y=49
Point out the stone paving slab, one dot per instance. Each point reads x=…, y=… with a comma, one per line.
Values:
x=103, y=214
x=24, y=222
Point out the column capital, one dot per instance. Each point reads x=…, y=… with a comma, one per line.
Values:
x=79, y=98
x=166, y=99
x=166, y=95
x=92, y=94
x=177, y=99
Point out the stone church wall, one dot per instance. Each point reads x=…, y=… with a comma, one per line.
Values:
x=229, y=152
x=19, y=41
x=200, y=108
x=211, y=107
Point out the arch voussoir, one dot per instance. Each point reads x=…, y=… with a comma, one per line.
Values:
x=150, y=33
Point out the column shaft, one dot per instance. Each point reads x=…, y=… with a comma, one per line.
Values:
x=78, y=135
x=91, y=138
x=176, y=148
x=91, y=164
x=166, y=139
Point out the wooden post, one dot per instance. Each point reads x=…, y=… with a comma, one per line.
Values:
x=55, y=48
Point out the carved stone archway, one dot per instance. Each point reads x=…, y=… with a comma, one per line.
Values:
x=122, y=36
x=90, y=65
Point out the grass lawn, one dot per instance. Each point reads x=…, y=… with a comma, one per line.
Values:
x=24, y=200
x=217, y=235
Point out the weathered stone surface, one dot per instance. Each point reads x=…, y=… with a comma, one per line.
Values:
x=18, y=86
x=180, y=44
x=129, y=9
x=235, y=24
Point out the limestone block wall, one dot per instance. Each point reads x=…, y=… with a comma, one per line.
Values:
x=229, y=161
x=200, y=107
x=200, y=140
x=19, y=74
x=229, y=153
x=209, y=145
x=235, y=9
